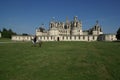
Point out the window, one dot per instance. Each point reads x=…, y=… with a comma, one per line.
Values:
x=47, y=37
x=66, y=37
x=70, y=37
x=79, y=37
x=93, y=37
x=83, y=37
x=63, y=37
x=75, y=37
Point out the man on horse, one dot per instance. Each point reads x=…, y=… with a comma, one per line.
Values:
x=35, y=41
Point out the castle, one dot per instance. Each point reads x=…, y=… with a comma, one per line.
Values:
x=68, y=31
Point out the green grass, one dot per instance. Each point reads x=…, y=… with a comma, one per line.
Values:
x=5, y=40
x=60, y=61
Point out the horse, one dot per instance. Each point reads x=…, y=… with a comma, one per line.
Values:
x=39, y=42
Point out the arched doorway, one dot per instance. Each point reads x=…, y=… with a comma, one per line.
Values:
x=58, y=39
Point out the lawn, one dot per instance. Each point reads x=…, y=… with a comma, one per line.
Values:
x=60, y=61
x=5, y=40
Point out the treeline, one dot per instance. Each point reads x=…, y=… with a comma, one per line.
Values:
x=7, y=33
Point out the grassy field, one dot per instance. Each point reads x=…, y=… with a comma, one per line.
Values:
x=5, y=40
x=60, y=61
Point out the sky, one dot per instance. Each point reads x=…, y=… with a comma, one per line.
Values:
x=24, y=16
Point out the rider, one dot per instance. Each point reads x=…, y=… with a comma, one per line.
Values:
x=35, y=39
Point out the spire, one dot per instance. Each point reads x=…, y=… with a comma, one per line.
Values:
x=80, y=21
x=42, y=25
x=53, y=19
x=67, y=19
x=97, y=22
x=75, y=18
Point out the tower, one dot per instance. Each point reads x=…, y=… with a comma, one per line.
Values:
x=76, y=27
x=53, y=28
x=67, y=26
x=96, y=30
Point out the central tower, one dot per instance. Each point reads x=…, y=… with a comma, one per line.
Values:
x=76, y=27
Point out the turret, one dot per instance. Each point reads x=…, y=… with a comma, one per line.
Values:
x=67, y=24
x=53, y=28
x=96, y=30
x=76, y=27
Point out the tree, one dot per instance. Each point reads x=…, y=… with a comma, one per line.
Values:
x=7, y=33
x=24, y=34
x=118, y=34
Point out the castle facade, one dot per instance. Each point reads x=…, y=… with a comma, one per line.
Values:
x=68, y=31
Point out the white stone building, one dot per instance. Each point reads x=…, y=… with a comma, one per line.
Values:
x=0, y=35
x=107, y=37
x=67, y=31
x=22, y=38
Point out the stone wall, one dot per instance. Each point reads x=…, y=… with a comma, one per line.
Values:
x=57, y=38
x=21, y=38
x=107, y=37
x=103, y=37
x=0, y=35
x=110, y=37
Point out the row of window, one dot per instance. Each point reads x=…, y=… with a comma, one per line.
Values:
x=68, y=37
x=25, y=38
x=61, y=38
